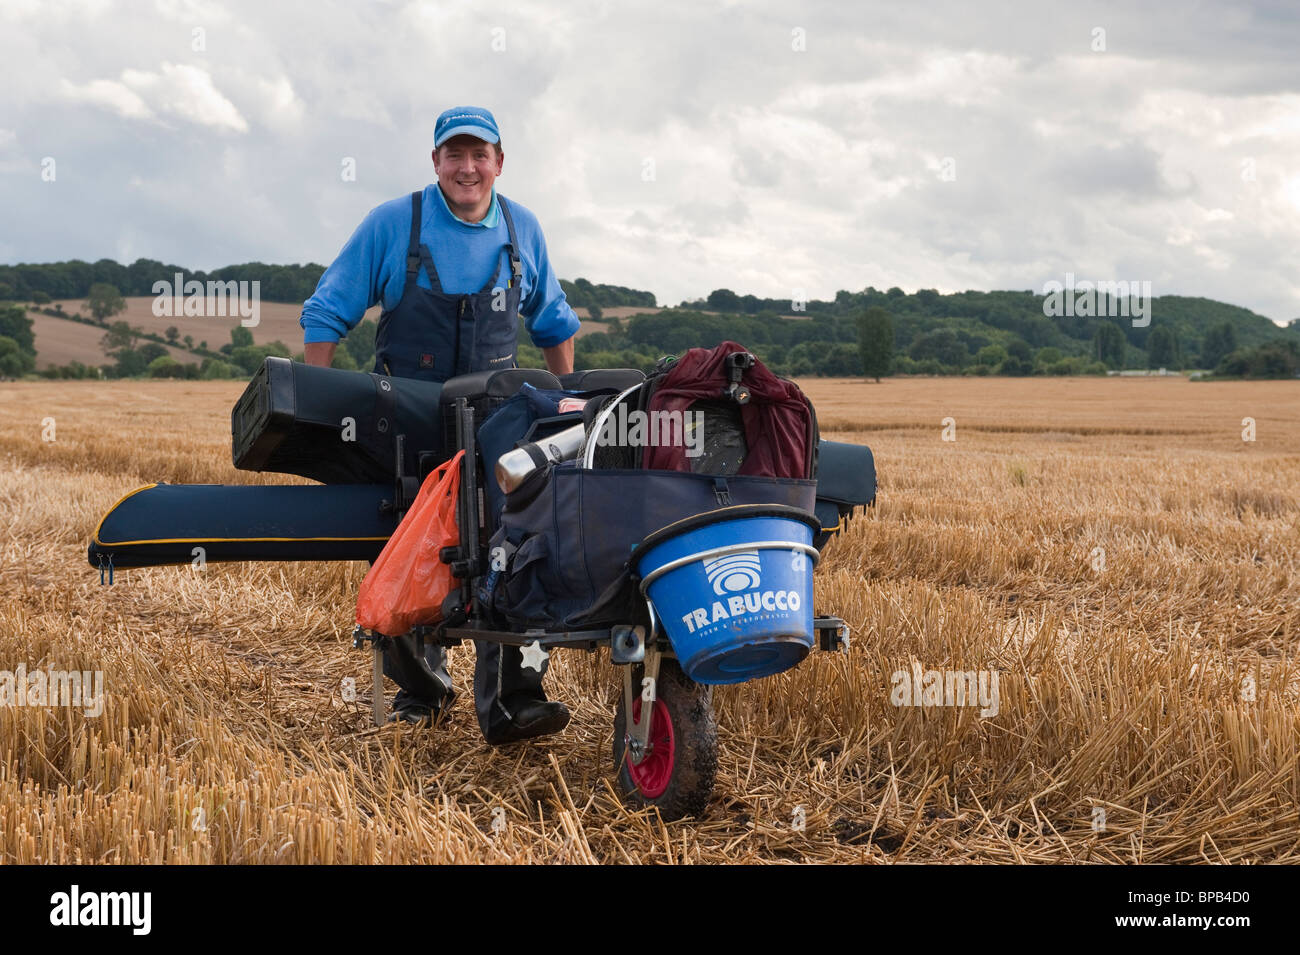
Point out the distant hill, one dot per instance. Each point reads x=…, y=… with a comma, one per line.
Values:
x=61, y=342
x=964, y=332
x=999, y=332
x=277, y=321
x=279, y=283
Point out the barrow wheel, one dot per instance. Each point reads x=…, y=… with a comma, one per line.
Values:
x=681, y=763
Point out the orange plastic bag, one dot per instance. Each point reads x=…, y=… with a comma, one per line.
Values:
x=408, y=582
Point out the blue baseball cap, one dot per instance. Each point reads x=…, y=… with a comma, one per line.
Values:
x=473, y=120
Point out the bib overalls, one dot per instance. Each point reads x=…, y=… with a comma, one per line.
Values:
x=434, y=335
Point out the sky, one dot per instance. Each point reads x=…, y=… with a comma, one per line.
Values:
x=776, y=149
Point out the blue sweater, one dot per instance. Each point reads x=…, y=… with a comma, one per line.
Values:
x=372, y=266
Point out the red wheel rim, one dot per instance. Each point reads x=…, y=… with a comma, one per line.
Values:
x=652, y=774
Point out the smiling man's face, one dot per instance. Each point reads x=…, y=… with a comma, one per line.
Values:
x=467, y=167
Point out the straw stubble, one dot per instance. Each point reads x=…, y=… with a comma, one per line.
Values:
x=1113, y=550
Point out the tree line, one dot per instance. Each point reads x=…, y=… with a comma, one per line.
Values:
x=981, y=333
x=279, y=283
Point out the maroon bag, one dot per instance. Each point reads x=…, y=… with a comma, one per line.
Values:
x=780, y=428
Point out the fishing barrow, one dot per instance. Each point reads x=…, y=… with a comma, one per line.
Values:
x=693, y=574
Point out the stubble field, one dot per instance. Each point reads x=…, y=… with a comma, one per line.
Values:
x=1125, y=562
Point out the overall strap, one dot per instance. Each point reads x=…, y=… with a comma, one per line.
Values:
x=413, y=249
x=416, y=252
x=511, y=249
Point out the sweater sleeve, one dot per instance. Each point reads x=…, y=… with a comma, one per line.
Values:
x=353, y=282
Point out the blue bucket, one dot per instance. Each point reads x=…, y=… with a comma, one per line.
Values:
x=733, y=590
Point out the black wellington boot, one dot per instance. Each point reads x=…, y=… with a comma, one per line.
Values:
x=509, y=698
x=420, y=670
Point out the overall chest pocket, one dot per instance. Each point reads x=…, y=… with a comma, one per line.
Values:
x=495, y=335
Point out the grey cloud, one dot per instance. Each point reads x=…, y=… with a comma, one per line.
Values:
x=775, y=168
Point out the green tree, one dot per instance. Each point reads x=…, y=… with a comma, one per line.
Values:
x=1220, y=342
x=360, y=344
x=15, y=324
x=251, y=357
x=1016, y=367
x=1019, y=350
x=942, y=345
x=240, y=337
x=724, y=300
x=104, y=301
x=14, y=362
x=173, y=334
x=1275, y=359
x=343, y=359
x=129, y=363
x=1048, y=356
x=165, y=366
x=876, y=341
x=119, y=337
x=1162, y=348
x=595, y=312
x=41, y=298
x=189, y=342
x=213, y=368
x=151, y=351
x=1108, y=344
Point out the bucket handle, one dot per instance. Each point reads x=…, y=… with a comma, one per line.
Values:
x=724, y=550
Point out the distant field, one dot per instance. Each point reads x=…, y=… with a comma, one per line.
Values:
x=1112, y=548
x=278, y=321
x=59, y=341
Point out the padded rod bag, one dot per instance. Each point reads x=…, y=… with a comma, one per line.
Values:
x=291, y=420
x=163, y=523
x=846, y=479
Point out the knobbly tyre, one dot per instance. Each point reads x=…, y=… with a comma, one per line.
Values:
x=693, y=571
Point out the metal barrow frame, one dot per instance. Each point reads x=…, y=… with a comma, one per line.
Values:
x=628, y=643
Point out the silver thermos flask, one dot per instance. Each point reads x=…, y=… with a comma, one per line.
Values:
x=513, y=466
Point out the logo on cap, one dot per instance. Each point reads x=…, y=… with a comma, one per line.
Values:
x=471, y=120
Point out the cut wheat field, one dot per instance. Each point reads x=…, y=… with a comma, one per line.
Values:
x=1114, y=550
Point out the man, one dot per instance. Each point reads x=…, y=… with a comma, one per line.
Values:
x=454, y=265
